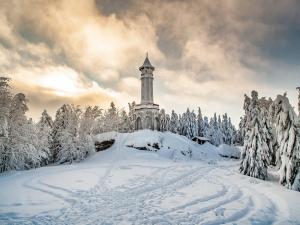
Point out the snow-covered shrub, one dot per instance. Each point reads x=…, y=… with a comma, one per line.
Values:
x=225, y=150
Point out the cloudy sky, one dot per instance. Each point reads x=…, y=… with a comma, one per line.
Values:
x=206, y=53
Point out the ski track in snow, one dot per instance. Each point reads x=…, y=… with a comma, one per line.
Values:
x=145, y=199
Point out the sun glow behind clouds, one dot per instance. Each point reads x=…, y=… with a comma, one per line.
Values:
x=63, y=82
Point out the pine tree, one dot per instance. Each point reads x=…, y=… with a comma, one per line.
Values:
x=21, y=152
x=189, y=124
x=206, y=127
x=131, y=116
x=288, y=138
x=5, y=101
x=226, y=130
x=124, y=122
x=257, y=149
x=162, y=120
x=298, y=88
x=87, y=123
x=65, y=135
x=111, y=119
x=200, y=121
x=174, y=123
x=44, y=128
x=214, y=133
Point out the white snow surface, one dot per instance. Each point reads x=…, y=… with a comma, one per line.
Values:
x=123, y=185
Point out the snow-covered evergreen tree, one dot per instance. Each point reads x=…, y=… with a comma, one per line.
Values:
x=21, y=152
x=65, y=135
x=206, y=127
x=215, y=133
x=256, y=154
x=131, y=116
x=168, y=122
x=162, y=120
x=200, y=125
x=288, y=139
x=174, y=123
x=189, y=124
x=111, y=118
x=5, y=101
x=298, y=88
x=124, y=122
x=227, y=130
x=87, y=124
x=44, y=129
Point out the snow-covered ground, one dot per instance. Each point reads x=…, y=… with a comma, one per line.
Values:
x=123, y=185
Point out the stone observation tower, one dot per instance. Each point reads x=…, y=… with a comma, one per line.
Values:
x=146, y=113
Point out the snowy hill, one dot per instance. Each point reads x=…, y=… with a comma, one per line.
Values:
x=175, y=182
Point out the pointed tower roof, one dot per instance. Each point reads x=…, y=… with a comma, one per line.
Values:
x=146, y=63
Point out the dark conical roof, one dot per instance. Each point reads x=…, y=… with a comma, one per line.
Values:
x=146, y=63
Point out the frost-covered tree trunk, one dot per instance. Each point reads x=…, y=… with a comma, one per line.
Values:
x=258, y=143
x=288, y=139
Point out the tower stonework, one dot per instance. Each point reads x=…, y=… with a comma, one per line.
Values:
x=146, y=113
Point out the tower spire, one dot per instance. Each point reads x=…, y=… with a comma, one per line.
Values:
x=146, y=64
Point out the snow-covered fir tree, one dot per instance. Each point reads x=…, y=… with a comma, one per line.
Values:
x=215, y=133
x=256, y=154
x=131, y=116
x=87, y=124
x=174, y=123
x=162, y=120
x=21, y=151
x=200, y=131
x=65, y=135
x=111, y=119
x=288, y=138
x=44, y=129
x=227, y=130
x=124, y=122
x=189, y=124
x=206, y=127
x=5, y=101
x=298, y=88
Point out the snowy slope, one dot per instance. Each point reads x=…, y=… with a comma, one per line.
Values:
x=123, y=185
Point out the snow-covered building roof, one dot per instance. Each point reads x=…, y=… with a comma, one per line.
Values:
x=201, y=138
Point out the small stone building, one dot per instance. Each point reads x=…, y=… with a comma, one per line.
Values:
x=146, y=113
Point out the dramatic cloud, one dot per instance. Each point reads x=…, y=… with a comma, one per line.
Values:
x=206, y=53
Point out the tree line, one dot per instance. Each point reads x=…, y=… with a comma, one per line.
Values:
x=68, y=137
